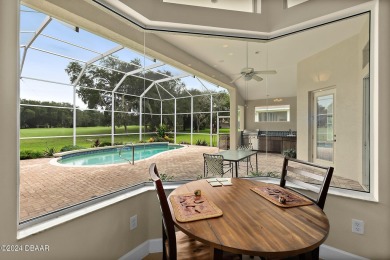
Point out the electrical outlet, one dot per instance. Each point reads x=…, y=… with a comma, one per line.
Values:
x=133, y=222
x=357, y=226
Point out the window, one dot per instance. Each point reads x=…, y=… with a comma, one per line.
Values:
x=291, y=3
x=272, y=113
x=248, y=6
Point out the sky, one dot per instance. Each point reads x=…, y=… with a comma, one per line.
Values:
x=41, y=64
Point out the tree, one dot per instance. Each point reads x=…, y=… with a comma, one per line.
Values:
x=98, y=82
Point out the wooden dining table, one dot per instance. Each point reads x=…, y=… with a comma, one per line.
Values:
x=252, y=225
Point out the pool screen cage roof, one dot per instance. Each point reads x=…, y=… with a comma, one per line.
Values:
x=65, y=67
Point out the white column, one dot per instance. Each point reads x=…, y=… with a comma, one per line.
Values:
x=233, y=119
x=140, y=118
x=211, y=120
x=9, y=127
x=74, y=116
x=174, y=125
x=112, y=117
x=192, y=118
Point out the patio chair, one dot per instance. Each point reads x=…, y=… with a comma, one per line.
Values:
x=177, y=245
x=247, y=147
x=309, y=176
x=214, y=165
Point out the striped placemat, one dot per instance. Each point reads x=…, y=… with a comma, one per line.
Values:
x=273, y=193
x=189, y=208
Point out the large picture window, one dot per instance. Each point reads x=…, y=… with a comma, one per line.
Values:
x=272, y=113
x=80, y=91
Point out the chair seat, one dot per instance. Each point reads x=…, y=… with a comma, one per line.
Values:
x=189, y=248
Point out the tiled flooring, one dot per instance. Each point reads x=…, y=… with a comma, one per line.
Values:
x=45, y=187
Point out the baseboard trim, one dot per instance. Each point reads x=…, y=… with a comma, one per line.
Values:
x=148, y=247
x=332, y=253
x=155, y=246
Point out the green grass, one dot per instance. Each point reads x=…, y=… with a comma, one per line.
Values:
x=39, y=132
x=41, y=144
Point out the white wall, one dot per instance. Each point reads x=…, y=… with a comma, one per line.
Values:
x=271, y=126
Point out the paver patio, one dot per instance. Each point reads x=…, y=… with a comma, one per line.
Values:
x=45, y=187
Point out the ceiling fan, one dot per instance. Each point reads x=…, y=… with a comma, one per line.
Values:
x=250, y=73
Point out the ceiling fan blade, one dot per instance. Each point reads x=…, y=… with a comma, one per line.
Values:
x=234, y=80
x=257, y=78
x=269, y=72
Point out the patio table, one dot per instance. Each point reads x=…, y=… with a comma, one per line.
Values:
x=236, y=156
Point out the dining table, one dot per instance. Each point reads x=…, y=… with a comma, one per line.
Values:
x=251, y=225
x=238, y=155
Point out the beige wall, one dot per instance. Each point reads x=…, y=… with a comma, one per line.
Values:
x=104, y=234
x=342, y=67
x=271, y=126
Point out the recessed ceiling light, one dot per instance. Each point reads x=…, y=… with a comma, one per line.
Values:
x=215, y=65
x=189, y=64
x=225, y=46
x=230, y=53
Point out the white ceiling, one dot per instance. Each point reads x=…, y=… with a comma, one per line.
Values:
x=281, y=54
x=229, y=56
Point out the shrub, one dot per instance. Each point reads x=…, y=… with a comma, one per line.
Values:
x=105, y=144
x=161, y=129
x=71, y=148
x=290, y=153
x=201, y=142
x=166, y=177
x=30, y=154
x=49, y=151
x=96, y=143
x=265, y=174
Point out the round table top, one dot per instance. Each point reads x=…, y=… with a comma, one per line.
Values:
x=252, y=225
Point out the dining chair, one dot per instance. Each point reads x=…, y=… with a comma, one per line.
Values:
x=214, y=165
x=176, y=244
x=246, y=147
x=310, y=176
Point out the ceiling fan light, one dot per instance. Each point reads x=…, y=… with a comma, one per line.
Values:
x=247, y=77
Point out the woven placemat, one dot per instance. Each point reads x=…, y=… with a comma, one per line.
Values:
x=273, y=192
x=187, y=208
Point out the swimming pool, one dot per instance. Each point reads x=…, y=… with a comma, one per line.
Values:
x=116, y=155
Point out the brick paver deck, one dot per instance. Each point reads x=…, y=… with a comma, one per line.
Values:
x=45, y=187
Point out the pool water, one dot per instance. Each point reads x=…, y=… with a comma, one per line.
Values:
x=115, y=155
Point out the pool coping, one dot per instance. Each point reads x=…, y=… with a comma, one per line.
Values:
x=58, y=156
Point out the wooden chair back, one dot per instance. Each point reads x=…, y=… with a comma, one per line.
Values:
x=313, y=177
x=169, y=235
